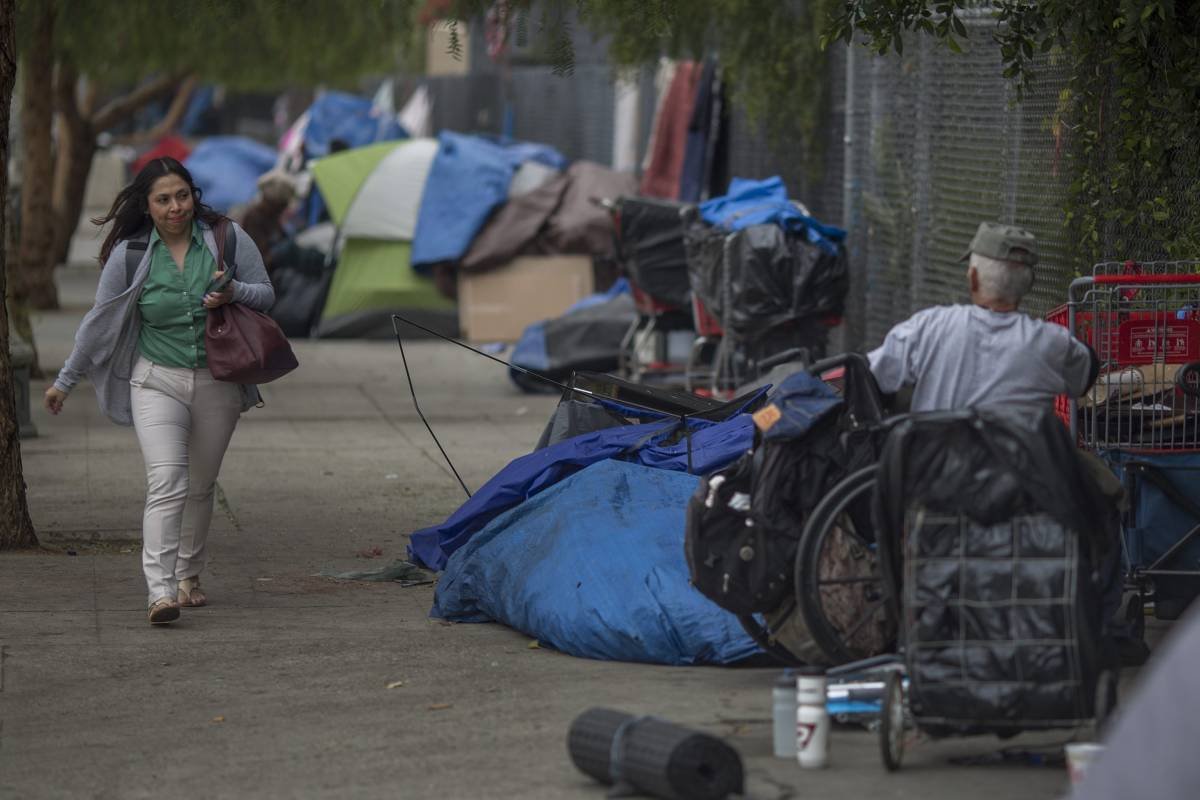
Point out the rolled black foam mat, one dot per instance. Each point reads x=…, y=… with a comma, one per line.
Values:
x=653, y=756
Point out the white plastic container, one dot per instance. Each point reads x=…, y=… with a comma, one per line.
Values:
x=812, y=719
x=783, y=706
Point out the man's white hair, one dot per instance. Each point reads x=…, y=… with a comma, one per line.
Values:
x=1005, y=281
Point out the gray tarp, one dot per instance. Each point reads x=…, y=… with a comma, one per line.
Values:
x=1151, y=745
x=559, y=217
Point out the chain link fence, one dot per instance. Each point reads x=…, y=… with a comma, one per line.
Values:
x=918, y=149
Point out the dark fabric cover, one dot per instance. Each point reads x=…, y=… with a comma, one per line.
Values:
x=587, y=337
x=1165, y=495
x=512, y=229
x=576, y=417
x=991, y=465
x=579, y=225
x=705, y=138
x=654, y=756
x=1000, y=607
x=594, y=401
x=704, y=249
x=1001, y=623
x=775, y=278
x=652, y=248
x=301, y=281
x=742, y=551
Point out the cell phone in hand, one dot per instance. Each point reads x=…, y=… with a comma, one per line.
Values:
x=220, y=284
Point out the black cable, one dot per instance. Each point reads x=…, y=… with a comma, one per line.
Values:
x=412, y=389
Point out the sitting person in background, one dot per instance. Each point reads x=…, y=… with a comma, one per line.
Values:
x=263, y=219
x=988, y=352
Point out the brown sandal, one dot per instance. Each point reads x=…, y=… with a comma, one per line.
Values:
x=162, y=611
x=190, y=595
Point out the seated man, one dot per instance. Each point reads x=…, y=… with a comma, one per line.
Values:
x=990, y=354
x=986, y=353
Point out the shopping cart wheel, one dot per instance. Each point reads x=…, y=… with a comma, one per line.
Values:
x=891, y=722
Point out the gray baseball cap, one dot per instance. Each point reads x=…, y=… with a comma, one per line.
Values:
x=1003, y=242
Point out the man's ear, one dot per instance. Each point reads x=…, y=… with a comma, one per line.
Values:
x=973, y=279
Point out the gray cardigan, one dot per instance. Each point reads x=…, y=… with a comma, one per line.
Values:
x=106, y=342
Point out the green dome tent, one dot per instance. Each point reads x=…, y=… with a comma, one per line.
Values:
x=374, y=194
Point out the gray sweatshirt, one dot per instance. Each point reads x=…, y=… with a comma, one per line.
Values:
x=106, y=342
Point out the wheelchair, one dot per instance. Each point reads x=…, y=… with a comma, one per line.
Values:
x=978, y=602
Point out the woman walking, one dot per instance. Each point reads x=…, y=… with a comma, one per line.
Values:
x=142, y=346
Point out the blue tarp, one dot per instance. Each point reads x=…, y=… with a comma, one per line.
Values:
x=353, y=119
x=751, y=202
x=468, y=179
x=713, y=445
x=227, y=168
x=594, y=567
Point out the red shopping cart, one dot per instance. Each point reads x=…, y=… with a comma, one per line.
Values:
x=1142, y=417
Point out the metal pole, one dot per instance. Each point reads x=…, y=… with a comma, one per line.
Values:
x=857, y=282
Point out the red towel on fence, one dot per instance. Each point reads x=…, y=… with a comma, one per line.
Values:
x=661, y=178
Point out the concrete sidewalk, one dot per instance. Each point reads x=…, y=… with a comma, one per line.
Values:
x=280, y=688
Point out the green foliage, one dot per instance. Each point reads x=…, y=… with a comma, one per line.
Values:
x=244, y=44
x=770, y=52
x=1132, y=104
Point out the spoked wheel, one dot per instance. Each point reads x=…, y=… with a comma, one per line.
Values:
x=839, y=582
x=891, y=722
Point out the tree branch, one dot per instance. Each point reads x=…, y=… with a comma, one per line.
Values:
x=122, y=107
x=179, y=106
x=66, y=79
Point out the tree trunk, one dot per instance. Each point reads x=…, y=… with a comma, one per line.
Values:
x=77, y=130
x=33, y=280
x=76, y=147
x=16, y=529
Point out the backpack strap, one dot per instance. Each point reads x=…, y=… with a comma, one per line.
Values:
x=135, y=249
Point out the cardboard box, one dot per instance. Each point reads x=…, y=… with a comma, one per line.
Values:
x=497, y=305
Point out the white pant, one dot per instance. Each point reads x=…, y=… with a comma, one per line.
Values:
x=184, y=419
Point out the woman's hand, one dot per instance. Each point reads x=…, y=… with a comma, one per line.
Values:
x=54, y=400
x=214, y=299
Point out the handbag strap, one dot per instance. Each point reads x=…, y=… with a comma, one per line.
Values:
x=226, y=238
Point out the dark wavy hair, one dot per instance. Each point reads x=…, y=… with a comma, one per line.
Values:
x=130, y=212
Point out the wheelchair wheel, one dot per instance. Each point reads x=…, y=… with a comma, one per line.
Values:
x=891, y=722
x=761, y=635
x=839, y=582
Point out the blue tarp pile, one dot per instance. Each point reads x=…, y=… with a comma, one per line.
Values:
x=759, y=202
x=654, y=444
x=594, y=567
x=226, y=169
x=580, y=545
x=469, y=178
x=354, y=120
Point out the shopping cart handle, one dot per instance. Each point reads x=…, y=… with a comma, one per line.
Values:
x=1144, y=280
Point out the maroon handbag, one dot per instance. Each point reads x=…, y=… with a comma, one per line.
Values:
x=244, y=345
